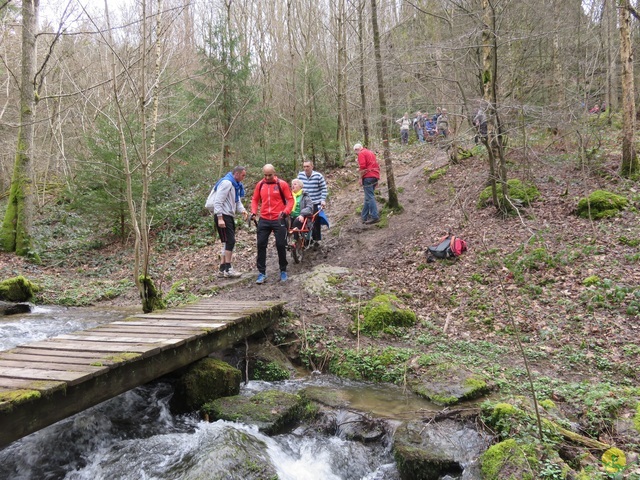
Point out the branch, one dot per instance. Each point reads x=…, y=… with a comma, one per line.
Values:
x=633, y=12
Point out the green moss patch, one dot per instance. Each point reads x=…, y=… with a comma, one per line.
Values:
x=385, y=311
x=601, y=204
x=15, y=397
x=272, y=411
x=17, y=289
x=521, y=193
x=508, y=459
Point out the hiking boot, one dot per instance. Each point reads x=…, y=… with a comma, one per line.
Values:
x=221, y=273
x=283, y=276
x=231, y=273
x=261, y=279
x=371, y=221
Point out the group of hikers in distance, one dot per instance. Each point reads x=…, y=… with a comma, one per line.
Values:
x=280, y=207
x=428, y=128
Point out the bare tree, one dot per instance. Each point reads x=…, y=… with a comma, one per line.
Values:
x=394, y=204
x=629, y=165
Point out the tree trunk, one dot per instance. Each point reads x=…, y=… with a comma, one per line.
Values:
x=363, y=96
x=629, y=164
x=18, y=219
x=384, y=121
x=612, y=69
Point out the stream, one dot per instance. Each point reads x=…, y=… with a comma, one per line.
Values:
x=135, y=436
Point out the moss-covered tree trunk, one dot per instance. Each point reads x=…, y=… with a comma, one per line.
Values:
x=629, y=165
x=494, y=140
x=16, y=227
x=394, y=204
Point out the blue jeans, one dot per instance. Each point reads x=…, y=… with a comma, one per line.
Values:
x=370, y=208
x=420, y=133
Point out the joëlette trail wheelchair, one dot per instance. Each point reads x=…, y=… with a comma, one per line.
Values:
x=300, y=239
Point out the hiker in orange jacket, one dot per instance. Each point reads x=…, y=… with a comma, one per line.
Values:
x=273, y=197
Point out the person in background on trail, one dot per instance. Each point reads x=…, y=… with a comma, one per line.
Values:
x=595, y=109
x=369, y=177
x=418, y=126
x=302, y=207
x=404, y=123
x=316, y=186
x=480, y=122
x=225, y=200
x=430, y=130
x=443, y=123
x=436, y=115
x=273, y=197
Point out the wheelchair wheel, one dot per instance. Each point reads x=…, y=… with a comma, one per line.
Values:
x=297, y=247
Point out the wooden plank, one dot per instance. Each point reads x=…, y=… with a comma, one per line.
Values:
x=96, y=347
x=120, y=338
x=51, y=366
x=203, y=325
x=189, y=316
x=52, y=359
x=70, y=354
x=71, y=378
x=41, y=386
x=149, y=329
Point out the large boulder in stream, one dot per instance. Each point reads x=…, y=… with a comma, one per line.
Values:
x=448, y=384
x=428, y=450
x=232, y=454
x=203, y=381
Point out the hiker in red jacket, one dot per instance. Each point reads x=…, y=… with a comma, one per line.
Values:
x=274, y=198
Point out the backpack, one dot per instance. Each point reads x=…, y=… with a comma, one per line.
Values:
x=449, y=246
x=284, y=200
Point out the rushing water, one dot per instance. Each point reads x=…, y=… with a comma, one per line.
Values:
x=135, y=436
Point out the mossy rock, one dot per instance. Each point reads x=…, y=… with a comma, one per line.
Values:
x=17, y=289
x=202, y=382
x=601, y=204
x=509, y=460
x=521, y=193
x=448, y=384
x=271, y=411
x=438, y=173
x=385, y=311
x=327, y=396
x=269, y=363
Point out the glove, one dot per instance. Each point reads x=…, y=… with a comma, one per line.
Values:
x=252, y=218
x=282, y=215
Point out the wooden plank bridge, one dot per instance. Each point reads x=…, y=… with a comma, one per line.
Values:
x=43, y=382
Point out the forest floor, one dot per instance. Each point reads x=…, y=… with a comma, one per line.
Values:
x=567, y=287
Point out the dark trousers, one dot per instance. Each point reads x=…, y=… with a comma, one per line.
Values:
x=316, y=234
x=279, y=229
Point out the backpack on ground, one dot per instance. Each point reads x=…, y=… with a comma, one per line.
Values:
x=449, y=246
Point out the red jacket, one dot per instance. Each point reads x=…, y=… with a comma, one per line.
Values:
x=367, y=162
x=270, y=197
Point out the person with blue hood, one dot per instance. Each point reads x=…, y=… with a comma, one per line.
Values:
x=225, y=201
